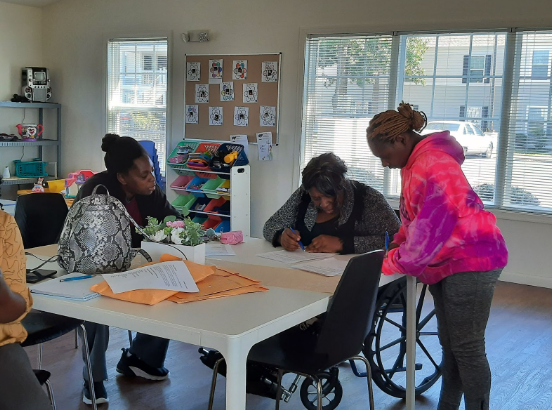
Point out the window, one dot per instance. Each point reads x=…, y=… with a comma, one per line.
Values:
x=540, y=64
x=376, y=72
x=137, y=91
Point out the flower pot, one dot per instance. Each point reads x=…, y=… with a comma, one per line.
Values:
x=193, y=253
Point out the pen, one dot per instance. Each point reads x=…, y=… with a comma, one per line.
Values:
x=77, y=278
x=300, y=243
x=386, y=242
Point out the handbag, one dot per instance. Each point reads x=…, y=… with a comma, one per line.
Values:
x=97, y=237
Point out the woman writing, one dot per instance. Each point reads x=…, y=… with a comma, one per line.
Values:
x=448, y=241
x=129, y=178
x=330, y=213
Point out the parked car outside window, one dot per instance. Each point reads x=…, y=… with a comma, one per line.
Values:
x=469, y=136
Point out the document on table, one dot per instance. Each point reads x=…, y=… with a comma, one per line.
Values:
x=295, y=256
x=73, y=290
x=218, y=249
x=326, y=267
x=173, y=275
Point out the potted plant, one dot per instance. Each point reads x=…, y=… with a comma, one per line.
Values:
x=184, y=239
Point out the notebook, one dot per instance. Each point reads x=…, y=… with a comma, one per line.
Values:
x=72, y=290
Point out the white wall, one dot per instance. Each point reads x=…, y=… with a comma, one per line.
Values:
x=20, y=46
x=74, y=42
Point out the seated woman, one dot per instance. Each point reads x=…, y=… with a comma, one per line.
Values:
x=19, y=387
x=330, y=213
x=129, y=178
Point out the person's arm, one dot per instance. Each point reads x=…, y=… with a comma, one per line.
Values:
x=377, y=218
x=282, y=219
x=12, y=305
x=430, y=228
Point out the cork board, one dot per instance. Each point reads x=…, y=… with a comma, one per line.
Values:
x=259, y=106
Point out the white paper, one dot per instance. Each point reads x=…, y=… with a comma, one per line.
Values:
x=284, y=256
x=227, y=91
x=264, y=146
x=201, y=93
x=215, y=71
x=267, y=116
x=215, y=115
x=241, y=116
x=326, y=267
x=192, y=114
x=239, y=70
x=73, y=290
x=218, y=249
x=250, y=92
x=242, y=140
x=173, y=275
x=269, y=72
x=193, y=71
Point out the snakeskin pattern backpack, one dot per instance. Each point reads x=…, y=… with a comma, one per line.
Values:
x=96, y=237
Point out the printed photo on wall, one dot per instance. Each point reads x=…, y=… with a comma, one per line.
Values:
x=270, y=72
x=215, y=71
x=264, y=146
x=241, y=116
x=215, y=115
x=250, y=92
x=240, y=70
x=193, y=71
x=191, y=114
x=268, y=116
x=201, y=93
x=227, y=91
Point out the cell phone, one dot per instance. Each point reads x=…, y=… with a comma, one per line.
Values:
x=36, y=275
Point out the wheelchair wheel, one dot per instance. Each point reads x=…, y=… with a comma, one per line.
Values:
x=385, y=345
x=332, y=392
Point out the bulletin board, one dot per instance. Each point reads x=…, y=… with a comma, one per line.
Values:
x=255, y=112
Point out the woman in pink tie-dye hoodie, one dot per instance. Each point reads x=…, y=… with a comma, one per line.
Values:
x=448, y=241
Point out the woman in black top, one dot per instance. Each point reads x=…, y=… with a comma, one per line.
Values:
x=129, y=178
x=330, y=213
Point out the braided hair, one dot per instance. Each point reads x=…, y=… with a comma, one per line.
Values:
x=388, y=125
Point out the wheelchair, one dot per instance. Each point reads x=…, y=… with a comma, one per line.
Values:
x=384, y=347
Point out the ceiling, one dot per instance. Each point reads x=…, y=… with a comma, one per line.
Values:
x=34, y=3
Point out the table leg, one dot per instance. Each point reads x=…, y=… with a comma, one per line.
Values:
x=410, y=342
x=236, y=358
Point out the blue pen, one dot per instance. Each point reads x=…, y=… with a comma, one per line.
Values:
x=300, y=244
x=386, y=242
x=77, y=278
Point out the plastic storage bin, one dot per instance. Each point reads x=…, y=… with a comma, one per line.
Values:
x=183, y=203
x=214, y=203
x=181, y=181
x=194, y=183
x=210, y=188
x=211, y=222
x=199, y=219
x=224, y=226
x=31, y=169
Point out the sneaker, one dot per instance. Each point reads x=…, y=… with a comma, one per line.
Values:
x=99, y=390
x=131, y=365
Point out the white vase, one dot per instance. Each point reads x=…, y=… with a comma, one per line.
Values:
x=193, y=253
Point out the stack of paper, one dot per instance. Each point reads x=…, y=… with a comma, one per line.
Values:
x=218, y=249
x=323, y=263
x=326, y=267
x=73, y=290
x=294, y=257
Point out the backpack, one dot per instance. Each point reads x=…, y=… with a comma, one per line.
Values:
x=96, y=237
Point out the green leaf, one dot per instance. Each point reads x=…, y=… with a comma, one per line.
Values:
x=169, y=218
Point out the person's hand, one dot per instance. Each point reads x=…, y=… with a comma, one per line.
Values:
x=392, y=245
x=326, y=244
x=290, y=240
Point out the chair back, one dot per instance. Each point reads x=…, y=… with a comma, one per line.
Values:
x=149, y=146
x=351, y=310
x=40, y=217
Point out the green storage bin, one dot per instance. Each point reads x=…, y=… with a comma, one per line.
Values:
x=183, y=203
x=210, y=187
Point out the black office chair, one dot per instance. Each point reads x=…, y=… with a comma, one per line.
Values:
x=43, y=327
x=40, y=217
x=345, y=326
x=43, y=378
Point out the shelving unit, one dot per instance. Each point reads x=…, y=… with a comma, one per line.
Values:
x=39, y=143
x=239, y=195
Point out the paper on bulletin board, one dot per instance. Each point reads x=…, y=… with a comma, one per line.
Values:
x=250, y=92
x=215, y=115
x=264, y=146
x=192, y=114
x=241, y=116
x=202, y=93
x=215, y=71
x=242, y=140
x=267, y=116
x=193, y=71
x=227, y=91
x=239, y=71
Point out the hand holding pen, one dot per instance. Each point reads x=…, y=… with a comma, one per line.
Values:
x=291, y=240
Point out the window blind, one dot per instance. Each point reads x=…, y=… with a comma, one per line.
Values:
x=137, y=91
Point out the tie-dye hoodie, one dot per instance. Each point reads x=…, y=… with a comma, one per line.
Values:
x=444, y=229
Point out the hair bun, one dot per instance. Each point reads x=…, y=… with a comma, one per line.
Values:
x=108, y=141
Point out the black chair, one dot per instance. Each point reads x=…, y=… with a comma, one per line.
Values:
x=43, y=327
x=43, y=378
x=40, y=217
x=345, y=326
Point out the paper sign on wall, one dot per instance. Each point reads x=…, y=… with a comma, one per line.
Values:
x=215, y=71
x=264, y=146
x=227, y=91
x=269, y=72
x=250, y=92
x=193, y=71
x=242, y=140
x=192, y=114
x=241, y=116
x=202, y=93
x=267, y=116
x=239, y=71
x=215, y=115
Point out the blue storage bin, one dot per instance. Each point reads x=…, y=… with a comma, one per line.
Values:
x=194, y=182
x=32, y=169
x=224, y=226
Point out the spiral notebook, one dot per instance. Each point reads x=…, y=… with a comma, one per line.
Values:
x=72, y=290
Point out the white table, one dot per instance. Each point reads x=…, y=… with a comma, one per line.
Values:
x=9, y=206
x=231, y=325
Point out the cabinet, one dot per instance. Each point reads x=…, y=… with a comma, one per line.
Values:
x=46, y=139
x=219, y=200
